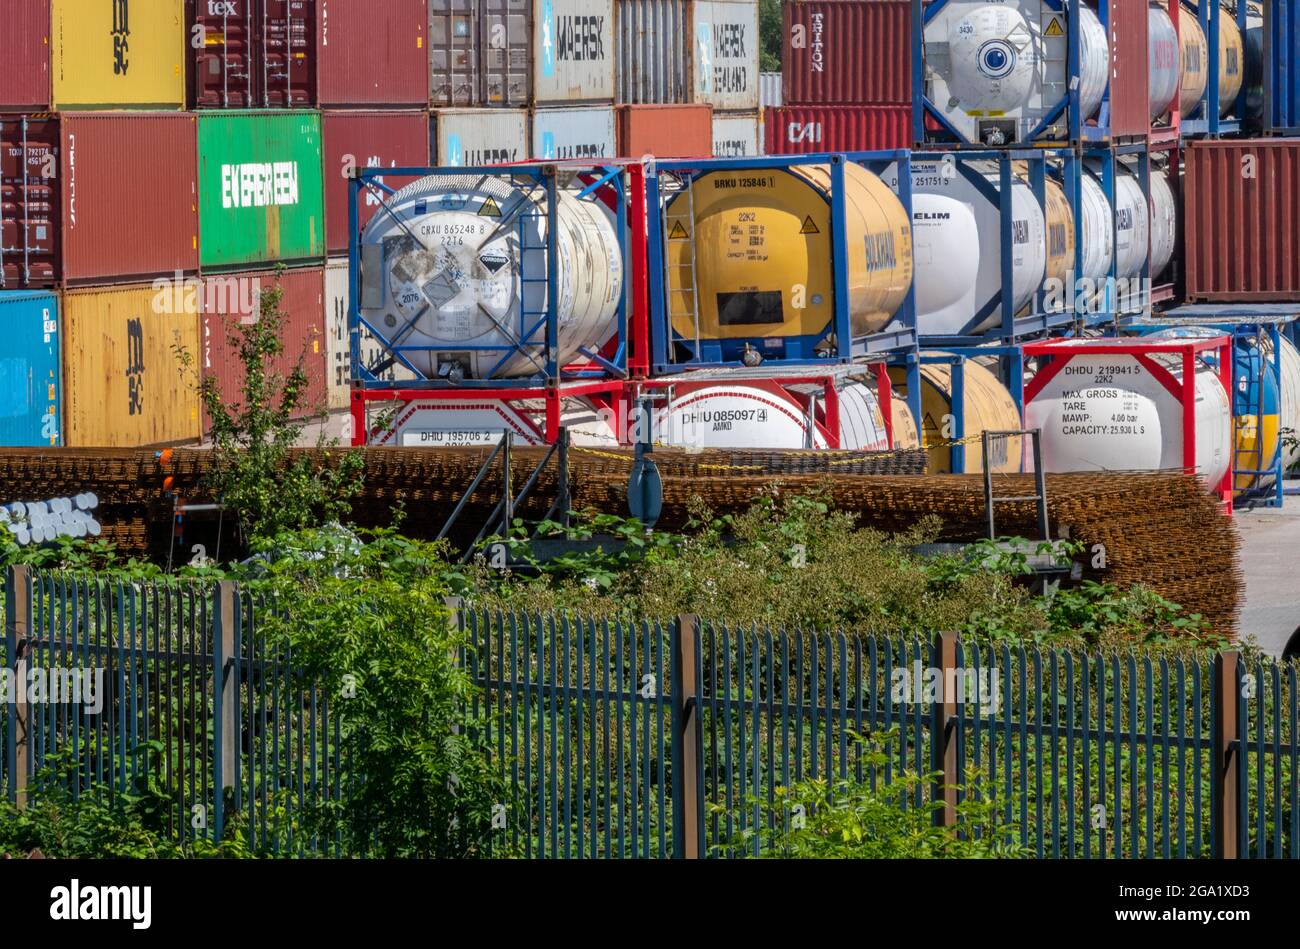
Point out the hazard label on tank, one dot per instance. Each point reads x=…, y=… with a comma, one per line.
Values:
x=489, y=209
x=809, y=226
x=1054, y=27
x=678, y=233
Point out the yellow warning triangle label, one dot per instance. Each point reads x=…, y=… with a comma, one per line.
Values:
x=1054, y=28
x=929, y=431
x=678, y=233
x=489, y=209
x=809, y=226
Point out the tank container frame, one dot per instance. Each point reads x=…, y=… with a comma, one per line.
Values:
x=1208, y=122
x=1282, y=67
x=800, y=350
x=1054, y=355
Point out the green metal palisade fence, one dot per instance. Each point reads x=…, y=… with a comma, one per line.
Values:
x=621, y=740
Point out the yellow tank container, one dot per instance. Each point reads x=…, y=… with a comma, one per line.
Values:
x=109, y=54
x=1232, y=59
x=1195, y=61
x=761, y=267
x=988, y=407
x=905, y=434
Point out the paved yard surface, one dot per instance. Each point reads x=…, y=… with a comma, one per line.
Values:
x=1270, y=558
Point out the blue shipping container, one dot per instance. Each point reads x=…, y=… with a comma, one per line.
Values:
x=1282, y=66
x=31, y=389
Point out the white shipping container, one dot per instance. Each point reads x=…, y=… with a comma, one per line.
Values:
x=725, y=60
x=573, y=51
x=769, y=89
x=736, y=134
x=479, y=136
x=583, y=132
x=338, y=347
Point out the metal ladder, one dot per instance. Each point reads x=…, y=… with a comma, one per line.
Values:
x=688, y=223
x=526, y=316
x=1040, y=482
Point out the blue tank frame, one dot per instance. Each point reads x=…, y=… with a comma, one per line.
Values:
x=545, y=322
x=1282, y=67
x=799, y=350
x=1207, y=121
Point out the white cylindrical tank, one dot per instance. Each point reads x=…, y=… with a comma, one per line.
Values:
x=996, y=69
x=1164, y=60
x=1109, y=413
x=955, y=226
x=457, y=262
x=1164, y=221
x=1290, y=361
x=862, y=424
x=1125, y=237
x=748, y=414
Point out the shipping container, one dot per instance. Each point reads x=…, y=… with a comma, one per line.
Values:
x=573, y=42
x=31, y=393
x=261, y=196
x=373, y=53
x=249, y=54
x=1242, y=221
x=125, y=385
x=665, y=131
x=366, y=140
x=737, y=134
x=479, y=136
x=97, y=198
x=338, y=352
x=25, y=53
x=584, y=132
x=802, y=129
x=230, y=300
x=688, y=51
x=458, y=31
x=110, y=54
x=770, y=92
x=824, y=59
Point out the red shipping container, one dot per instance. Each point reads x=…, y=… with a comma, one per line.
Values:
x=366, y=140
x=25, y=55
x=800, y=130
x=1242, y=221
x=373, y=53
x=1130, y=86
x=229, y=299
x=665, y=131
x=847, y=52
x=97, y=198
x=254, y=54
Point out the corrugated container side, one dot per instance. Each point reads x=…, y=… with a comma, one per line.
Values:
x=31, y=390
x=231, y=299
x=665, y=131
x=129, y=196
x=338, y=353
x=1130, y=89
x=737, y=134
x=254, y=54
x=479, y=136
x=502, y=30
x=848, y=52
x=110, y=54
x=574, y=44
x=373, y=54
x=653, y=54
x=1242, y=221
x=769, y=89
x=724, y=63
x=366, y=140
x=25, y=53
x=124, y=386
x=30, y=202
x=261, y=196
x=1282, y=64
x=579, y=133
x=798, y=130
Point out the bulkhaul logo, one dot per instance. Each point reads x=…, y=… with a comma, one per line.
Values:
x=76, y=902
x=818, y=50
x=261, y=185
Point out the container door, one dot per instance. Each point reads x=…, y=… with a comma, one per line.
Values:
x=289, y=51
x=29, y=203
x=29, y=372
x=506, y=34
x=453, y=53
x=223, y=61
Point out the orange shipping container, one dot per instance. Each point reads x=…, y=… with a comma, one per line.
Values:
x=665, y=131
x=124, y=383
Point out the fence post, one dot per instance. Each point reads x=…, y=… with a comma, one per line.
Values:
x=225, y=669
x=944, y=730
x=18, y=614
x=1228, y=760
x=686, y=746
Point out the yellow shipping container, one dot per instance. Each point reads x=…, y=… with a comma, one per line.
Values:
x=124, y=385
x=111, y=54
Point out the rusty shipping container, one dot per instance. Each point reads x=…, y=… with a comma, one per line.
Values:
x=97, y=198
x=253, y=54
x=665, y=131
x=25, y=55
x=847, y=52
x=373, y=54
x=1242, y=221
x=230, y=300
x=800, y=129
x=366, y=140
x=1129, y=92
x=124, y=383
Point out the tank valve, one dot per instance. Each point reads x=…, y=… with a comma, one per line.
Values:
x=453, y=372
x=751, y=357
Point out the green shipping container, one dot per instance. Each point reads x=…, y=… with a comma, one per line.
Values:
x=261, y=192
